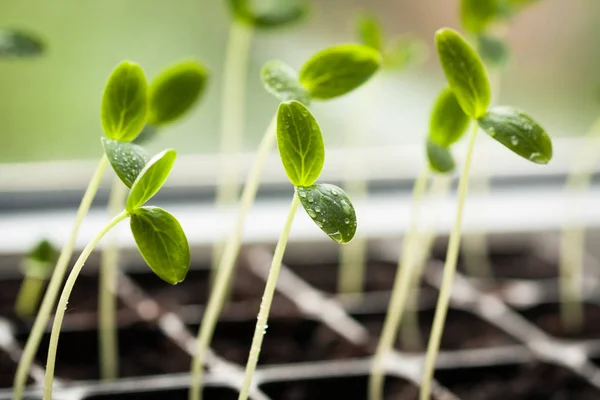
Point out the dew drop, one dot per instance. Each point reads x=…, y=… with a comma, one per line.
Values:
x=514, y=140
x=311, y=213
x=346, y=207
x=302, y=194
x=347, y=221
x=334, y=192
x=319, y=224
x=310, y=199
x=318, y=209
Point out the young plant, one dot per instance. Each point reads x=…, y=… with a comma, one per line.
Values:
x=16, y=43
x=246, y=19
x=37, y=267
x=302, y=153
x=158, y=235
x=397, y=54
x=171, y=95
x=511, y=127
x=448, y=123
x=330, y=73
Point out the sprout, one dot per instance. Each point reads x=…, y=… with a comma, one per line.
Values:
x=37, y=266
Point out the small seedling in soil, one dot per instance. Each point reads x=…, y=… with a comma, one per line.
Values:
x=246, y=19
x=16, y=43
x=37, y=267
x=398, y=53
x=302, y=153
x=448, y=124
x=171, y=95
x=510, y=126
x=330, y=73
x=158, y=235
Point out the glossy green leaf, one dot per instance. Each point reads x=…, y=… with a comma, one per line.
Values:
x=464, y=71
x=288, y=12
x=338, y=70
x=300, y=143
x=175, y=90
x=125, y=102
x=404, y=51
x=476, y=15
x=16, y=44
x=162, y=242
x=493, y=51
x=369, y=30
x=127, y=159
x=519, y=132
x=331, y=209
x=151, y=179
x=40, y=261
x=439, y=157
x=448, y=121
x=147, y=135
x=281, y=80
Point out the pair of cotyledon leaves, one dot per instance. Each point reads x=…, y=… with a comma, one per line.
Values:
x=468, y=98
x=128, y=104
x=284, y=14
x=330, y=73
x=399, y=52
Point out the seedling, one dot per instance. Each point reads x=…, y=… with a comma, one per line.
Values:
x=448, y=123
x=330, y=73
x=37, y=267
x=398, y=53
x=302, y=153
x=158, y=235
x=246, y=19
x=171, y=95
x=16, y=43
x=511, y=127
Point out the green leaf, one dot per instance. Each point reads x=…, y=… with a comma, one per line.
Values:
x=281, y=80
x=162, y=242
x=338, y=70
x=519, y=132
x=127, y=159
x=150, y=179
x=288, y=13
x=300, y=143
x=125, y=102
x=508, y=8
x=369, y=30
x=40, y=261
x=476, y=15
x=16, y=43
x=464, y=71
x=175, y=90
x=331, y=209
x=404, y=51
x=493, y=51
x=448, y=121
x=440, y=158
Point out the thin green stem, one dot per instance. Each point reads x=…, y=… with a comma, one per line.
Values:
x=352, y=262
x=228, y=261
x=233, y=101
x=400, y=291
x=572, y=244
x=29, y=295
x=107, y=301
x=58, y=275
x=449, y=271
x=265, y=306
x=61, y=308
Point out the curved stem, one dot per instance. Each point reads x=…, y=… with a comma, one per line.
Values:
x=107, y=301
x=37, y=331
x=449, y=270
x=227, y=263
x=400, y=291
x=233, y=100
x=267, y=299
x=573, y=235
x=64, y=300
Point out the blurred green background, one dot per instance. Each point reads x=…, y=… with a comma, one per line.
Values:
x=49, y=106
